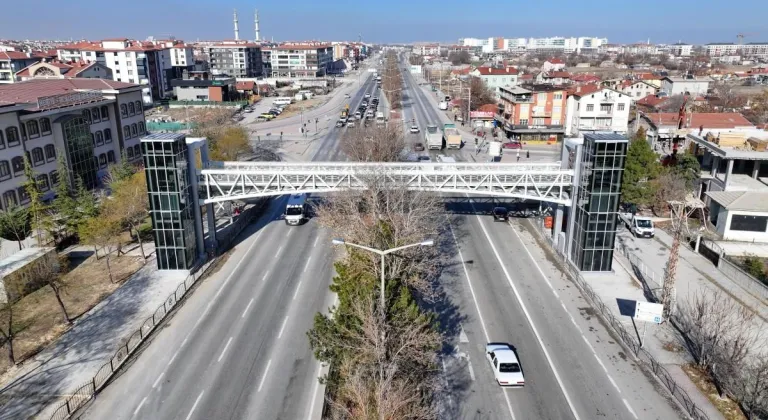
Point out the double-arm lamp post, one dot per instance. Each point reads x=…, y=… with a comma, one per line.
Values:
x=338, y=241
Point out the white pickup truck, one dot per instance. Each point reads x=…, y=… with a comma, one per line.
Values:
x=503, y=360
x=639, y=226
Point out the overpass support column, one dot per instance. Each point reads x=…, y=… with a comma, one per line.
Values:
x=211, y=211
x=194, y=144
x=558, y=226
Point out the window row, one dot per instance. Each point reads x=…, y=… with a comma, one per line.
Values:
x=134, y=130
x=11, y=136
x=104, y=159
x=101, y=137
x=15, y=197
x=96, y=114
x=131, y=108
x=133, y=152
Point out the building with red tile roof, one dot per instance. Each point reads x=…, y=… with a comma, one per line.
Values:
x=11, y=62
x=57, y=69
x=97, y=118
x=583, y=78
x=554, y=77
x=495, y=78
x=651, y=102
x=593, y=108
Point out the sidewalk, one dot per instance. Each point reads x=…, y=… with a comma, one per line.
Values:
x=694, y=272
x=78, y=354
x=616, y=291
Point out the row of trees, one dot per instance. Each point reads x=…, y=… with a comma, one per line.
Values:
x=722, y=337
x=649, y=183
x=74, y=212
x=383, y=359
x=392, y=81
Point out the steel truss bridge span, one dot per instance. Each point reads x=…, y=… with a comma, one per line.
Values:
x=225, y=181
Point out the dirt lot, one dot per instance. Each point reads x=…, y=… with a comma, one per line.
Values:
x=37, y=317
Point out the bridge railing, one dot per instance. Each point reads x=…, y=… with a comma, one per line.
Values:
x=384, y=168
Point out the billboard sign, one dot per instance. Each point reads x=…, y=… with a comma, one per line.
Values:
x=649, y=312
x=485, y=115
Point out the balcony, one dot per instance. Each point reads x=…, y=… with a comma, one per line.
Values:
x=518, y=99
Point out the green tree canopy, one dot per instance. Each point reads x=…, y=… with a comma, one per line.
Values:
x=642, y=166
x=15, y=224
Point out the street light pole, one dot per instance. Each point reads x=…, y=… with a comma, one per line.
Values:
x=338, y=241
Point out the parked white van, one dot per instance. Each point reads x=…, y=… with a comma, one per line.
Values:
x=283, y=100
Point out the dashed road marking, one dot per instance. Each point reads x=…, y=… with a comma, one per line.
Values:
x=197, y=401
x=261, y=384
x=225, y=349
x=246, y=308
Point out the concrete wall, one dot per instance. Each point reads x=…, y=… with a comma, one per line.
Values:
x=738, y=235
x=24, y=278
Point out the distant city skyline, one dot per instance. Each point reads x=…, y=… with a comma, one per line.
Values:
x=395, y=21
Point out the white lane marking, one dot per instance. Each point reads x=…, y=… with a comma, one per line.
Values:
x=601, y=364
x=234, y=270
x=157, y=381
x=136, y=411
x=614, y=384
x=265, y=276
x=527, y=314
x=582, y=336
x=471, y=371
x=266, y=371
x=246, y=308
x=277, y=254
x=307, y=264
x=631, y=411
x=282, y=327
x=315, y=244
x=173, y=357
x=185, y=341
x=225, y=349
x=445, y=373
x=197, y=401
x=314, y=392
x=477, y=307
x=297, y=290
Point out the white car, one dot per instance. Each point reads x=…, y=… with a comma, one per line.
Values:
x=503, y=361
x=414, y=129
x=350, y=124
x=367, y=95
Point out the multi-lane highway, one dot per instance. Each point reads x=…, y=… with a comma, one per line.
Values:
x=501, y=287
x=237, y=349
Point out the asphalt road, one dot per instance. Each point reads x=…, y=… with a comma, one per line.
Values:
x=237, y=349
x=500, y=287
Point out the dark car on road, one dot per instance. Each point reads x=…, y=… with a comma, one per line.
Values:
x=418, y=147
x=500, y=214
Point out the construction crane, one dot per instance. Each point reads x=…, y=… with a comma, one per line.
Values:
x=740, y=37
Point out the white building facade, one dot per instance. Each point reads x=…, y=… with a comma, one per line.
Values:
x=601, y=110
x=309, y=59
x=685, y=85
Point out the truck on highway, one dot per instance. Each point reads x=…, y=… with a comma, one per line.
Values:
x=640, y=226
x=380, y=121
x=443, y=105
x=433, y=138
x=451, y=136
x=345, y=112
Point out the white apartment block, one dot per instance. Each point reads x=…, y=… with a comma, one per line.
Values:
x=151, y=64
x=681, y=49
x=300, y=59
x=427, y=49
x=552, y=44
x=685, y=85
x=235, y=59
x=640, y=49
x=93, y=122
x=597, y=109
x=752, y=49
x=637, y=89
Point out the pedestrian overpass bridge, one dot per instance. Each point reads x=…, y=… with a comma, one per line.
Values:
x=225, y=181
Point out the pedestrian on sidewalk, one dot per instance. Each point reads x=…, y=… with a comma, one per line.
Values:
x=518, y=155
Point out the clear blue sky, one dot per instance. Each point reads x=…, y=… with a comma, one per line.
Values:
x=390, y=20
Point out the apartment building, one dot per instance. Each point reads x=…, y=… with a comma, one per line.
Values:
x=235, y=59
x=681, y=49
x=495, y=78
x=724, y=49
x=300, y=59
x=532, y=112
x=151, y=64
x=637, y=89
x=688, y=85
x=11, y=62
x=640, y=49
x=94, y=122
x=593, y=108
x=427, y=49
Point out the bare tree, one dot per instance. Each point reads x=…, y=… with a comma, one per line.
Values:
x=390, y=372
x=719, y=333
x=12, y=292
x=49, y=272
x=374, y=144
x=669, y=186
x=386, y=216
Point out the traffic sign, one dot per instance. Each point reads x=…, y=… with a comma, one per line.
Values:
x=649, y=312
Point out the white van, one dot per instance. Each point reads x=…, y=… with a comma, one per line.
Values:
x=283, y=100
x=296, y=209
